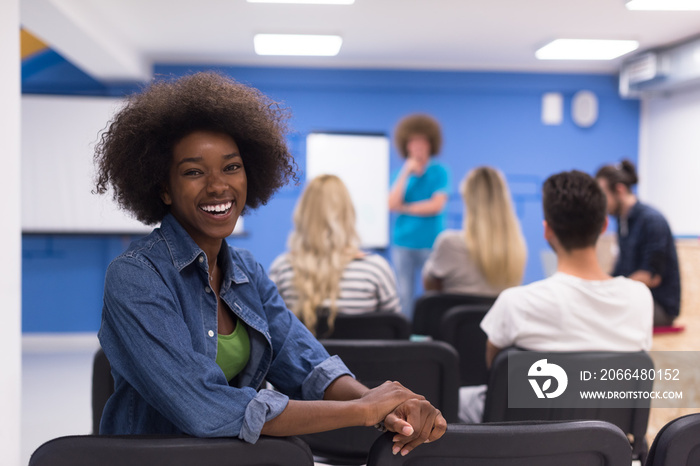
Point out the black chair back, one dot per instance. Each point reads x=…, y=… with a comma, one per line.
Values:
x=102, y=387
x=105, y=450
x=431, y=307
x=367, y=326
x=573, y=443
x=677, y=443
x=460, y=328
x=429, y=368
x=633, y=421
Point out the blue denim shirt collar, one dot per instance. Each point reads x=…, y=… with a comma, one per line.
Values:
x=184, y=251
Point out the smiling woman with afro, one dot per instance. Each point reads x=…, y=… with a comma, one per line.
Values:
x=192, y=327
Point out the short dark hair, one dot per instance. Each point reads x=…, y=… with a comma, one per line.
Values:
x=623, y=172
x=418, y=124
x=574, y=208
x=134, y=154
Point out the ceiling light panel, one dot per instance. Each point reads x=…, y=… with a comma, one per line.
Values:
x=297, y=44
x=585, y=49
x=314, y=2
x=663, y=5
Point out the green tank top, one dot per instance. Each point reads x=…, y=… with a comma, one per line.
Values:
x=233, y=351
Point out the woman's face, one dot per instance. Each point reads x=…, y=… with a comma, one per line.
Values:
x=207, y=186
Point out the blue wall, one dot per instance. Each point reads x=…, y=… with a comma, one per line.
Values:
x=487, y=118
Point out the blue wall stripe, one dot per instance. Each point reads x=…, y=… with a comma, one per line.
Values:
x=488, y=118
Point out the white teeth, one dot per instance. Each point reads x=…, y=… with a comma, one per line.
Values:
x=217, y=208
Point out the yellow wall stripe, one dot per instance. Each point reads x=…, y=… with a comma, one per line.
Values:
x=30, y=44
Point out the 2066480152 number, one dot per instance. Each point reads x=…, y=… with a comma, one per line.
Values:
x=639, y=374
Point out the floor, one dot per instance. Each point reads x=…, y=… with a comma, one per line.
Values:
x=56, y=388
x=57, y=370
x=689, y=258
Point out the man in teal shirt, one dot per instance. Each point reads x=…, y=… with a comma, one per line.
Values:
x=418, y=195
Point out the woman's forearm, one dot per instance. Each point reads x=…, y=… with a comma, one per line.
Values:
x=345, y=388
x=339, y=409
x=334, y=412
x=307, y=417
x=428, y=207
x=398, y=190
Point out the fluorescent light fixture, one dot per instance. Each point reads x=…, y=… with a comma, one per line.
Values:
x=585, y=49
x=315, y=2
x=663, y=5
x=297, y=44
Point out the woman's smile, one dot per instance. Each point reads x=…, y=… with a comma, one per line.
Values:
x=218, y=209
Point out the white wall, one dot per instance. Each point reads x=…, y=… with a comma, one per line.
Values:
x=10, y=235
x=58, y=138
x=669, y=158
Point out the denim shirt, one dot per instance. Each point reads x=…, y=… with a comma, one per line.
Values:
x=159, y=332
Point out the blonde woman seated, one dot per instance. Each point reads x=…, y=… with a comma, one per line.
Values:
x=325, y=268
x=489, y=255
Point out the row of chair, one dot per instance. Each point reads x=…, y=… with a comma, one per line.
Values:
x=456, y=318
x=428, y=368
x=632, y=420
x=581, y=443
x=429, y=311
x=452, y=318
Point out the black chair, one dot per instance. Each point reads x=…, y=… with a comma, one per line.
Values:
x=429, y=368
x=632, y=420
x=102, y=387
x=460, y=328
x=368, y=326
x=431, y=307
x=101, y=450
x=677, y=443
x=573, y=443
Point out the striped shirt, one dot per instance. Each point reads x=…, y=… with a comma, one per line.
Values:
x=368, y=284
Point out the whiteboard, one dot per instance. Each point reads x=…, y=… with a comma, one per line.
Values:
x=362, y=162
x=59, y=134
x=58, y=140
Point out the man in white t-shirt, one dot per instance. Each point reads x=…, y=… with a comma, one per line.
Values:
x=580, y=307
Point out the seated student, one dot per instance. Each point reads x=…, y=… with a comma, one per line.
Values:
x=580, y=307
x=647, y=248
x=489, y=254
x=325, y=267
x=192, y=327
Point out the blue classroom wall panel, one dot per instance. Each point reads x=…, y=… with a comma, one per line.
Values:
x=487, y=119
x=63, y=278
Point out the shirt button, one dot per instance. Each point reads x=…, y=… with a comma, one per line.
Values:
x=201, y=259
x=207, y=289
x=211, y=333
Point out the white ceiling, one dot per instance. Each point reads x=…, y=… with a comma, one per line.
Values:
x=122, y=39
